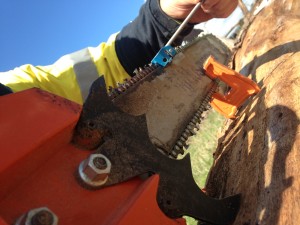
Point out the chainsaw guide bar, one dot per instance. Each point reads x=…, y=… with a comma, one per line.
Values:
x=173, y=98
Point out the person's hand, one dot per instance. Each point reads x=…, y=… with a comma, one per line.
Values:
x=179, y=9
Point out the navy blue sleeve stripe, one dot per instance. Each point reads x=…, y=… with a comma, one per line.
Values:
x=140, y=40
x=4, y=90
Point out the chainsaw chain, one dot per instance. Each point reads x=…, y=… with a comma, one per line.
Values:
x=121, y=88
x=194, y=123
x=141, y=73
x=190, y=130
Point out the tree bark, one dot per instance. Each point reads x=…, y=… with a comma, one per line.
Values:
x=258, y=154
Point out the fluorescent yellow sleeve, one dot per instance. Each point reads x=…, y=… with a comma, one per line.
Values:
x=71, y=75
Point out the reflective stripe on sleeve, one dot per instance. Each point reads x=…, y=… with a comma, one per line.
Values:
x=85, y=70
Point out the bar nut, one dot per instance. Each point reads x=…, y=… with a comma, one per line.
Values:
x=38, y=216
x=94, y=170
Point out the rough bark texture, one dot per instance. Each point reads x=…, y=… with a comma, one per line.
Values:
x=259, y=153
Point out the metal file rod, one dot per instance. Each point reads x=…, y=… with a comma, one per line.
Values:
x=180, y=28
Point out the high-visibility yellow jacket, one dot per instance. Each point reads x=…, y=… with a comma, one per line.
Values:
x=72, y=75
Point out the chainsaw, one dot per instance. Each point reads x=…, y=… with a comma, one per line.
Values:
x=142, y=126
x=137, y=132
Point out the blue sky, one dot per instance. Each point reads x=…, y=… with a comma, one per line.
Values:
x=40, y=31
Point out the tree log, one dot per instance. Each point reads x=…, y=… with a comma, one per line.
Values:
x=258, y=154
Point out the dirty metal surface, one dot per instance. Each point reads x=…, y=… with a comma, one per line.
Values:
x=127, y=145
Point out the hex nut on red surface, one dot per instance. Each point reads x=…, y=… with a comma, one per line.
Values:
x=38, y=216
x=94, y=171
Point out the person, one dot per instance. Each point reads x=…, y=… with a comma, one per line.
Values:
x=133, y=47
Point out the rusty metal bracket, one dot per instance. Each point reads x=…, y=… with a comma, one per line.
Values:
x=124, y=140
